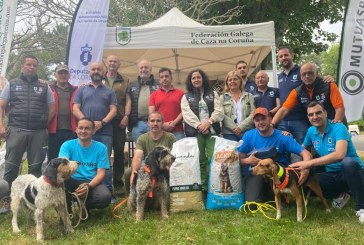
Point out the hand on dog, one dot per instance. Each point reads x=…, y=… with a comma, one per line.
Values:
x=82, y=190
x=302, y=167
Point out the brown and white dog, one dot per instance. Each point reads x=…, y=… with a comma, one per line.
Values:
x=285, y=180
x=42, y=193
x=152, y=181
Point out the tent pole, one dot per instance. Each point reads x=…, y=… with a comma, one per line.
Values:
x=273, y=51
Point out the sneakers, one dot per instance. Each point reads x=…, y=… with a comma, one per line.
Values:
x=341, y=200
x=360, y=215
x=6, y=205
x=113, y=199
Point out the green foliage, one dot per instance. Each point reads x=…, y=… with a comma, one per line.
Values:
x=203, y=227
x=295, y=22
x=330, y=61
x=50, y=49
x=360, y=124
x=327, y=61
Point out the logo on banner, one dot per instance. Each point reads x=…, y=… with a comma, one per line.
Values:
x=86, y=55
x=352, y=82
x=123, y=35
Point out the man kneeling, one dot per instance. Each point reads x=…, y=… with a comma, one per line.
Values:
x=344, y=170
x=93, y=161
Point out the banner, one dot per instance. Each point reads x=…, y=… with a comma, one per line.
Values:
x=86, y=39
x=7, y=23
x=351, y=60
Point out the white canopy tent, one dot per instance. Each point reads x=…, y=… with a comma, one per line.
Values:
x=182, y=44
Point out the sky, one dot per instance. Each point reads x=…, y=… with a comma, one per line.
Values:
x=335, y=28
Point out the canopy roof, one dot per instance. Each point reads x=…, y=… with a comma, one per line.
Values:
x=182, y=44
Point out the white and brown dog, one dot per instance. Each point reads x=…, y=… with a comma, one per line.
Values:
x=285, y=180
x=42, y=193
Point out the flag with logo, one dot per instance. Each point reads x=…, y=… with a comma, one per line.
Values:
x=351, y=60
x=86, y=39
x=7, y=23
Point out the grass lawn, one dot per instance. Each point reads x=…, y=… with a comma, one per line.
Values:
x=198, y=227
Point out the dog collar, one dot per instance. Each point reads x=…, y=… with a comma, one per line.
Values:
x=147, y=169
x=51, y=182
x=280, y=171
x=284, y=183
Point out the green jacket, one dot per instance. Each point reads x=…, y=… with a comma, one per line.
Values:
x=247, y=114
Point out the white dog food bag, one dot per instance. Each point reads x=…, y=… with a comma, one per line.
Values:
x=184, y=176
x=225, y=188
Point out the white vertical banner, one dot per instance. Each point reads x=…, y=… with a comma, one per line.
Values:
x=86, y=39
x=351, y=73
x=7, y=23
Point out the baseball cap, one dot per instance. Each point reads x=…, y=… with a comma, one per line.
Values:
x=261, y=111
x=62, y=67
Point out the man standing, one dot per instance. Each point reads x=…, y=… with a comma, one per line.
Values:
x=257, y=189
x=93, y=162
x=265, y=96
x=242, y=68
x=97, y=102
x=119, y=85
x=295, y=121
x=344, y=170
x=138, y=97
x=31, y=108
x=63, y=125
x=167, y=101
x=146, y=143
x=314, y=89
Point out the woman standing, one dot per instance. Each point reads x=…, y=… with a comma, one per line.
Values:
x=238, y=107
x=202, y=113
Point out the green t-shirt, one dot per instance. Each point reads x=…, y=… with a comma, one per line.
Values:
x=147, y=144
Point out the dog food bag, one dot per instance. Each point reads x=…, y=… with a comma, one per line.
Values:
x=184, y=176
x=225, y=188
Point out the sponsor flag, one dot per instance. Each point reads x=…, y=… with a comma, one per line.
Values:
x=7, y=23
x=351, y=60
x=86, y=39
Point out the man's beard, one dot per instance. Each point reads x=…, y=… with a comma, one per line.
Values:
x=30, y=76
x=144, y=75
x=96, y=77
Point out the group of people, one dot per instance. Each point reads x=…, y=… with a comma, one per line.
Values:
x=157, y=113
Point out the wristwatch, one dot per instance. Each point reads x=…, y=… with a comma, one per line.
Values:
x=103, y=123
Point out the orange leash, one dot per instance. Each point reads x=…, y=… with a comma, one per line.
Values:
x=147, y=169
x=117, y=207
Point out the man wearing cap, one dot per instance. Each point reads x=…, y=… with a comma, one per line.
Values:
x=63, y=125
x=257, y=189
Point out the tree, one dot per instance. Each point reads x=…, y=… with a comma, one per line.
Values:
x=330, y=61
x=295, y=22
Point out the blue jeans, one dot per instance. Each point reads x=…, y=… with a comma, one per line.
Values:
x=232, y=137
x=179, y=135
x=107, y=141
x=140, y=128
x=350, y=178
x=298, y=128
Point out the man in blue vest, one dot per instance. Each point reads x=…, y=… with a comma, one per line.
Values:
x=31, y=108
x=313, y=89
